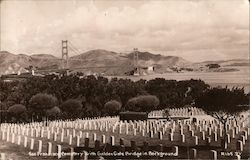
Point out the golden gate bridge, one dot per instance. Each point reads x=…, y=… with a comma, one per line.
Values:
x=67, y=46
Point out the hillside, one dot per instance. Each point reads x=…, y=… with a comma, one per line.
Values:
x=161, y=63
x=96, y=60
x=120, y=63
x=225, y=65
x=45, y=61
x=105, y=62
x=12, y=63
x=166, y=61
x=231, y=62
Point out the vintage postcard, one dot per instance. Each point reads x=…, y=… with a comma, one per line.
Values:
x=124, y=79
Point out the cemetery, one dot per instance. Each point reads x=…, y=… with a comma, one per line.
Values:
x=124, y=79
x=93, y=118
x=109, y=137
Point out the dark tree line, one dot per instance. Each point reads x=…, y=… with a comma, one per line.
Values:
x=74, y=97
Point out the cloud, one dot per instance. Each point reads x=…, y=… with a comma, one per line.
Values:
x=196, y=30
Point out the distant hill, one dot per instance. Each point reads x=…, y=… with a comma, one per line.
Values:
x=12, y=63
x=231, y=62
x=225, y=65
x=158, y=59
x=103, y=61
x=96, y=60
x=121, y=63
x=43, y=56
x=161, y=63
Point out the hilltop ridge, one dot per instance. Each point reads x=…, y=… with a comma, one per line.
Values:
x=103, y=61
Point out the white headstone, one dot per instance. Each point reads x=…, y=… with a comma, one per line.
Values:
x=7, y=136
x=238, y=157
x=94, y=136
x=59, y=151
x=70, y=139
x=215, y=137
x=171, y=136
x=48, y=134
x=25, y=141
x=160, y=135
x=134, y=132
x=103, y=139
x=143, y=132
x=2, y=156
x=74, y=133
x=13, y=138
x=233, y=133
x=42, y=132
x=183, y=138
x=176, y=150
x=220, y=132
x=55, y=136
x=80, y=134
x=40, y=144
x=151, y=134
x=32, y=144
x=194, y=153
x=49, y=148
x=228, y=138
x=18, y=140
x=243, y=139
x=78, y=141
x=214, y=154
x=192, y=133
x=71, y=153
x=112, y=140
x=62, y=136
x=196, y=140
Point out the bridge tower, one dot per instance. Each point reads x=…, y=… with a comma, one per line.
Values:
x=136, y=58
x=65, y=55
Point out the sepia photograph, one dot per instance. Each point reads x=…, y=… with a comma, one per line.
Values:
x=124, y=79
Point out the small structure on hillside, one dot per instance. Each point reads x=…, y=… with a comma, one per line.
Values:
x=151, y=68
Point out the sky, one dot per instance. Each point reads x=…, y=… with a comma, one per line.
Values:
x=196, y=30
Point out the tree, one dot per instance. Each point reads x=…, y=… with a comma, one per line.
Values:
x=223, y=104
x=189, y=90
x=43, y=101
x=143, y=103
x=40, y=102
x=72, y=108
x=53, y=112
x=18, y=111
x=112, y=107
x=172, y=93
x=165, y=90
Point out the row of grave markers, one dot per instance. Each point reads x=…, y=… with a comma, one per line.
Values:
x=70, y=131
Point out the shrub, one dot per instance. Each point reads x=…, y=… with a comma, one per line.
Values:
x=144, y=103
x=40, y=103
x=17, y=109
x=18, y=112
x=210, y=66
x=72, y=108
x=112, y=107
x=53, y=112
x=43, y=101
